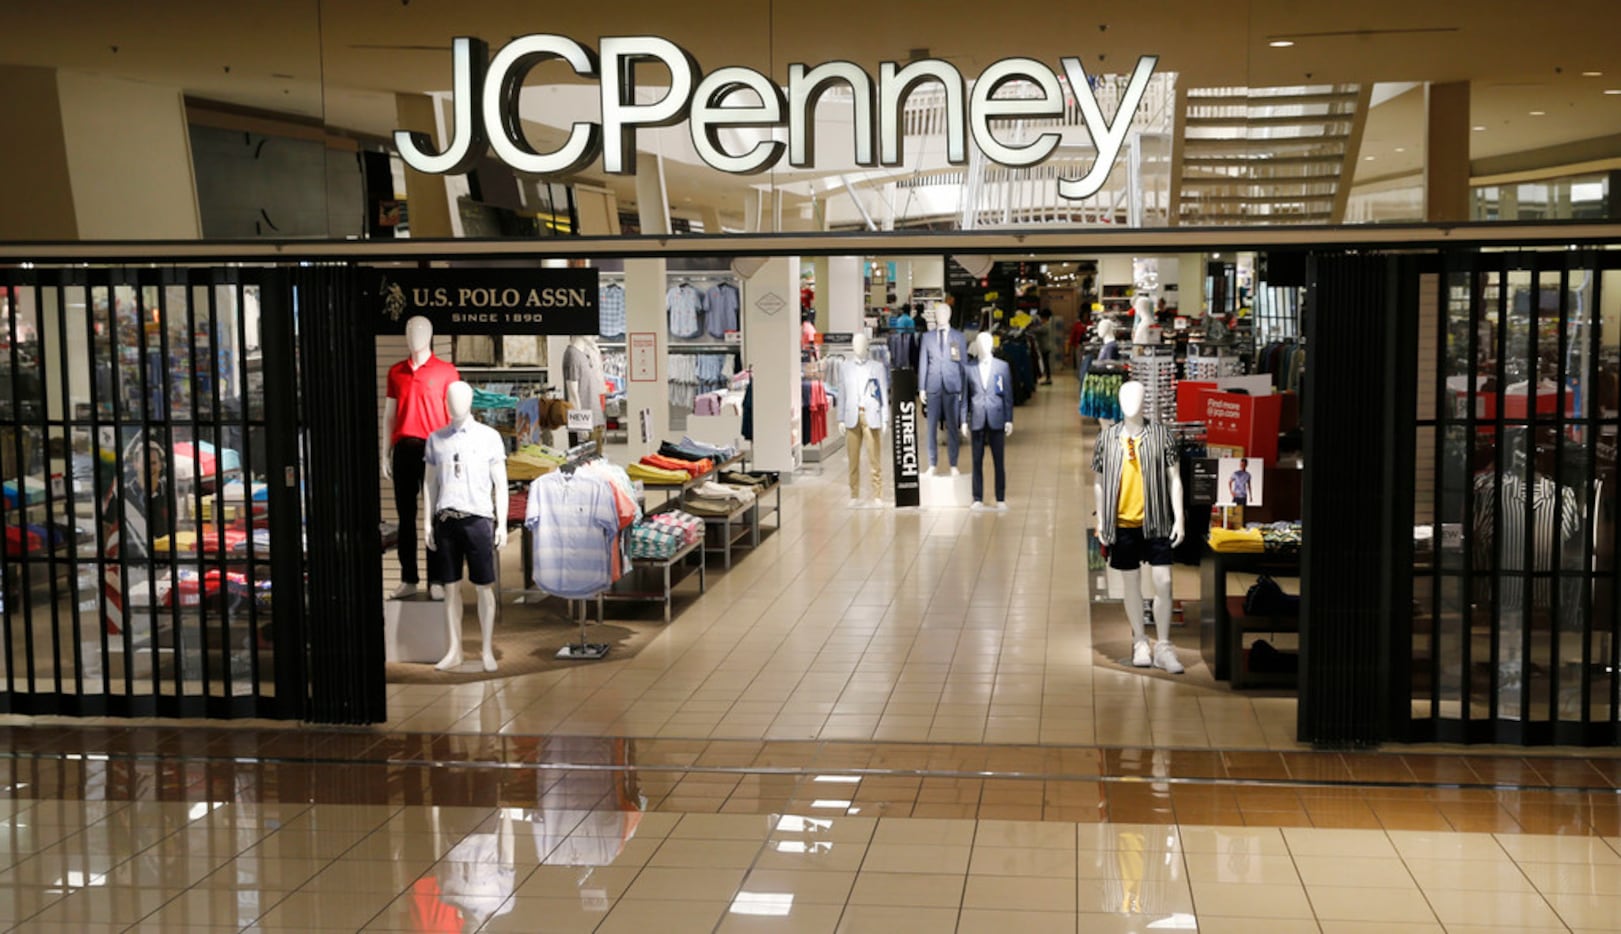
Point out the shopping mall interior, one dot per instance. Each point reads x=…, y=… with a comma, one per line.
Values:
x=468, y=470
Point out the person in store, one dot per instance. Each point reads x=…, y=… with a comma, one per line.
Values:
x=1239, y=484
x=1137, y=486
x=1042, y=330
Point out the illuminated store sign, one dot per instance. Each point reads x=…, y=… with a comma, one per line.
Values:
x=485, y=94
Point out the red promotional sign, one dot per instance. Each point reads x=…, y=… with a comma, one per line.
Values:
x=1232, y=419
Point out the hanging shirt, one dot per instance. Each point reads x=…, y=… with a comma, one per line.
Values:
x=419, y=396
x=683, y=303
x=1129, y=513
x=1156, y=455
x=611, y=301
x=463, y=458
x=572, y=519
x=720, y=309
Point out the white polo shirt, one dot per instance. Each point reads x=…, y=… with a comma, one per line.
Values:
x=462, y=458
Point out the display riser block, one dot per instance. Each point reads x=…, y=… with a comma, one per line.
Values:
x=943, y=491
x=414, y=630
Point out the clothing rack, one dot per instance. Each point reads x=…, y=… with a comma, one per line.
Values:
x=578, y=456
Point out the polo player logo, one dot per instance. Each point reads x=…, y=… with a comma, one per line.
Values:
x=393, y=300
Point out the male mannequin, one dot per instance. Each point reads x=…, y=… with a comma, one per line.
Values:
x=863, y=414
x=1140, y=333
x=987, y=417
x=467, y=515
x=1106, y=334
x=583, y=385
x=1138, y=490
x=414, y=410
x=941, y=372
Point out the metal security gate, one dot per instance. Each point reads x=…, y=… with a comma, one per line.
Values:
x=153, y=452
x=1514, y=622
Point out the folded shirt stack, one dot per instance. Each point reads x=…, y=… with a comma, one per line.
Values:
x=689, y=527
x=750, y=481
x=533, y=460
x=653, y=541
x=1237, y=541
x=692, y=468
x=656, y=475
x=724, y=493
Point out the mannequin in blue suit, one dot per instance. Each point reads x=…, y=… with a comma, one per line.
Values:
x=987, y=417
x=942, y=372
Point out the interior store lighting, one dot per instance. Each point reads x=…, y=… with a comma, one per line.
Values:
x=1281, y=43
x=1539, y=113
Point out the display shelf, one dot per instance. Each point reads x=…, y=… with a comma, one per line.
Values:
x=732, y=528
x=1218, y=634
x=635, y=585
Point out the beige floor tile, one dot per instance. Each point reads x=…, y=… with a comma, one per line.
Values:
x=1021, y=861
x=1587, y=911
x=685, y=884
x=1365, y=903
x=816, y=888
x=1424, y=844
x=1537, y=848
x=1029, y=834
x=880, y=919
x=1310, y=841
x=1242, y=868
x=1250, y=901
x=576, y=883
x=322, y=911
x=748, y=917
x=1230, y=841
x=665, y=916
x=1474, y=875
x=910, y=857
x=1000, y=921
x=909, y=890
x=1455, y=907
x=722, y=827
x=548, y=915
x=1374, y=927
x=706, y=854
x=1002, y=893
x=811, y=855
x=1572, y=878
x=906, y=831
x=1140, y=923
x=1354, y=871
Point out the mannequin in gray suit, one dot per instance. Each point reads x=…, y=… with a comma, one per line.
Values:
x=988, y=417
x=941, y=373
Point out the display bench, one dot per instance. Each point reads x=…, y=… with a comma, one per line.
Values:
x=1224, y=628
x=725, y=532
x=676, y=491
x=637, y=584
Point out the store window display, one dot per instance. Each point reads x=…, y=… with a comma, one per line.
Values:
x=1137, y=485
x=863, y=415
x=941, y=375
x=414, y=410
x=465, y=483
x=987, y=417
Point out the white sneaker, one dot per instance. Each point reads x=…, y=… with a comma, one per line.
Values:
x=403, y=591
x=977, y=507
x=1165, y=657
x=1001, y=506
x=1140, y=656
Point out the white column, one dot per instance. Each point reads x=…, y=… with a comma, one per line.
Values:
x=1190, y=284
x=845, y=295
x=818, y=265
x=903, y=281
x=771, y=346
x=644, y=313
x=928, y=272
x=652, y=201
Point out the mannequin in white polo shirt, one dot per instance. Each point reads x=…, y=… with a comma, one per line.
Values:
x=466, y=487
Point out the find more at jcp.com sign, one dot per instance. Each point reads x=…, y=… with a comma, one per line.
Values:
x=484, y=301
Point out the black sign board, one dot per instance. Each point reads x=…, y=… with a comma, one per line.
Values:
x=1203, y=489
x=838, y=337
x=903, y=402
x=483, y=301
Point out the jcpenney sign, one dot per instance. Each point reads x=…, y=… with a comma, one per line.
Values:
x=486, y=91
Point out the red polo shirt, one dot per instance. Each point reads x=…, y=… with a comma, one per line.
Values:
x=419, y=396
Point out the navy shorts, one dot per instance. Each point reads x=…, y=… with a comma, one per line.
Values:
x=470, y=539
x=1131, y=550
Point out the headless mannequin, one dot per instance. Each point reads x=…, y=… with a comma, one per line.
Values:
x=1140, y=333
x=419, y=343
x=459, y=400
x=1109, y=351
x=940, y=319
x=1131, y=406
x=985, y=353
x=576, y=390
x=859, y=348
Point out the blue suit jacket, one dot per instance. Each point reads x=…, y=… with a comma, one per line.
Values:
x=988, y=406
x=936, y=371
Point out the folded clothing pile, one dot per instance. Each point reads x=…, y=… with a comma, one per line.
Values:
x=656, y=475
x=690, y=449
x=661, y=535
x=532, y=461
x=1237, y=541
x=692, y=468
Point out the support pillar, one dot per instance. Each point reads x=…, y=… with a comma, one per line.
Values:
x=771, y=346
x=652, y=200
x=1190, y=269
x=819, y=275
x=845, y=293
x=1446, y=152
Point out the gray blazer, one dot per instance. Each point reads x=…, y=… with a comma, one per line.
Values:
x=936, y=371
x=988, y=406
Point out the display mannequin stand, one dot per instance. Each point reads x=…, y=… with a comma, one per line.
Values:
x=583, y=651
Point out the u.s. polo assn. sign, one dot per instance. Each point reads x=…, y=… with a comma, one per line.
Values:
x=485, y=94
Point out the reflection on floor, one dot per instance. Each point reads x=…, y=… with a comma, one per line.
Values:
x=881, y=720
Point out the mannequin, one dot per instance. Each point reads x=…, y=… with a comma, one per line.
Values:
x=987, y=417
x=941, y=372
x=1137, y=485
x=863, y=415
x=583, y=385
x=1109, y=351
x=1144, y=307
x=414, y=410
x=467, y=495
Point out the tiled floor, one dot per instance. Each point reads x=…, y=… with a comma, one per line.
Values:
x=878, y=721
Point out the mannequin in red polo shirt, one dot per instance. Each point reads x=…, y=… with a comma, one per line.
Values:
x=415, y=409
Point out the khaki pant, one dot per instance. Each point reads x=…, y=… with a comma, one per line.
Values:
x=861, y=435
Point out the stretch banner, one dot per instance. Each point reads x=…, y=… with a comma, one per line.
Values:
x=484, y=301
x=903, y=399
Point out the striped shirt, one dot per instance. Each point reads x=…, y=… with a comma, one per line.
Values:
x=611, y=301
x=1155, y=449
x=572, y=520
x=1556, y=543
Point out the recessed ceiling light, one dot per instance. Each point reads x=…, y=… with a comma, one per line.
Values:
x=1368, y=158
x=1592, y=74
x=1281, y=43
x=1612, y=90
x=1539, y=113
x=1401, y=148
x=1480, y=129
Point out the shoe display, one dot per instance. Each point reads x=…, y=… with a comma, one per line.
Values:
x=1140, y=656
x=1165, y=657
